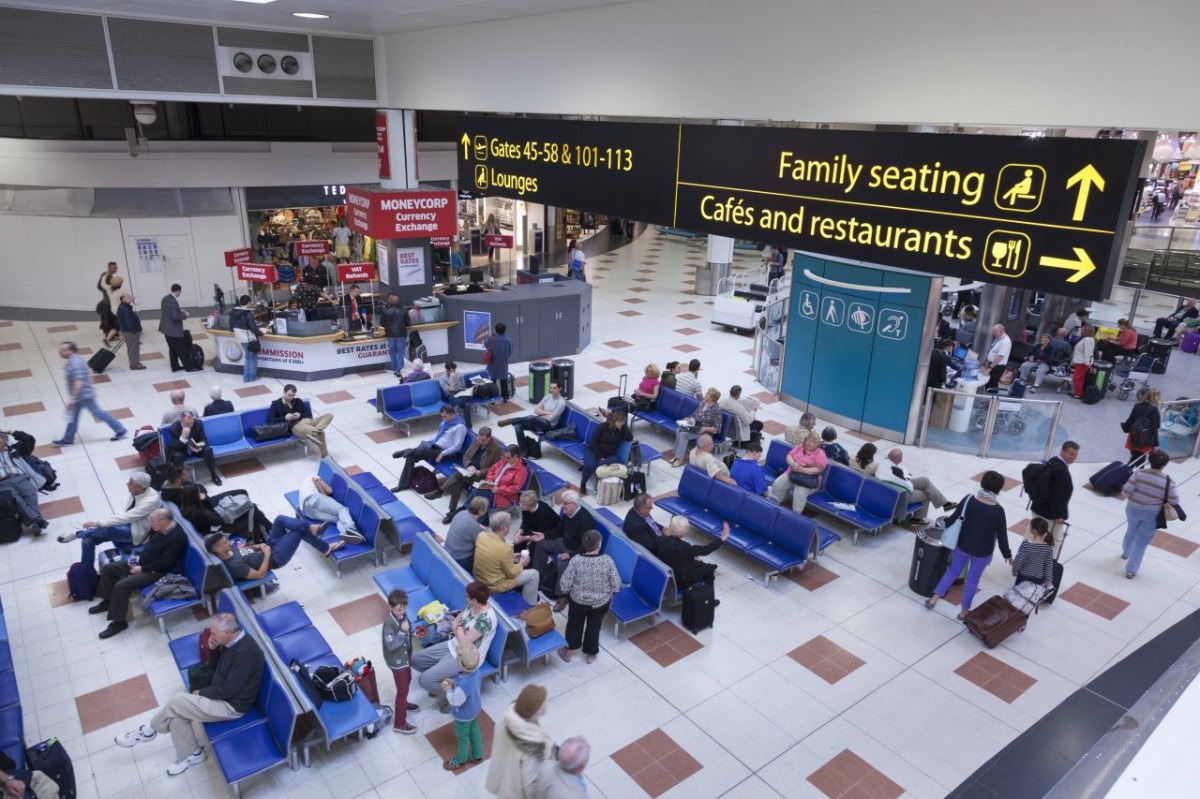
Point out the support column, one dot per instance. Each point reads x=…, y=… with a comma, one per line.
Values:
x=993, y=310
x=720, y=248
x=396, y=138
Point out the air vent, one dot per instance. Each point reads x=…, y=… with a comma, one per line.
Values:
x=163, y=56
x=345, y=68
x=42, y=48
x=266, y=65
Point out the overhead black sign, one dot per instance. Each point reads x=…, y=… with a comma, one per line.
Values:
x=1038, y=213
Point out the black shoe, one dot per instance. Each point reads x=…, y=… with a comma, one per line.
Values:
x=216, y=480
x=62, y=442
x=396, y=489
x=100, y=608
x=449, y=517
x=716, y=603
x=113, y=628
x=401, y=453
x=41, y=524
x=119, y=435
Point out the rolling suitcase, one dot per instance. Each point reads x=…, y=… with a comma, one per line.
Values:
x=1111, y=478
x=994, y=621
x=101, y=360
x=10, y=519
x=1053, y=592
x=51, y=759
x=699, y=606
x=1191, y=342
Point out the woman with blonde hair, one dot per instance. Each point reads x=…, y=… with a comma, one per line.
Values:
x=1141, y=428
x=1081, y=359
x=706, y=419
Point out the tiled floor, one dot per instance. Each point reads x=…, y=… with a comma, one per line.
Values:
x=735, y=699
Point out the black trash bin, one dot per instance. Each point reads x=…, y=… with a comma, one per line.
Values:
x=1101, y=377
x=539, y=381
x=929, y=563
x=1160, y=350
x=563, y=373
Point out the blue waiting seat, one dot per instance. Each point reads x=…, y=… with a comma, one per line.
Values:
x=775, y=462
x=195, y=566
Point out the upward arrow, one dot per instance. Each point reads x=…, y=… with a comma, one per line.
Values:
x=1086, y=178
x=466, y=144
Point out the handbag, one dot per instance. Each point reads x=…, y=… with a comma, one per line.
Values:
x=254, y=345
x=267, y=432
x=1168, y=512
x=538, y=619
x=487, y=357
x=949, y=537
x=199, y=676
x=805, y=480
x=232, y=507
x=485, y=391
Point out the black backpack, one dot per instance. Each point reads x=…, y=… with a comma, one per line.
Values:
x=1036, y=478
x=1091, y=395
x=635, y=483
x=45, y=470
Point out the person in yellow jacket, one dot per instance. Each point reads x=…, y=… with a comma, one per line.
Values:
x=498, y=567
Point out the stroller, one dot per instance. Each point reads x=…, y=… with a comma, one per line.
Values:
x=1132, y=372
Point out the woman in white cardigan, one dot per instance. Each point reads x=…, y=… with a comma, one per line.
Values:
x=520, y=745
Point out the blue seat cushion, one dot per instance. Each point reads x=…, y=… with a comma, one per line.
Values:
x=408, y=529
x=225, y=449
x=366, y=480
x=403, y=578
x=342, y=718
x=743, y=539
x=708, y=521
x=545, y=644
x=186, y=651
x=825, y=538
x=283, y=619
x=304, y=645
x=510, y=602
x=247, y=752
x=627, y=606
x=219, y=729
x=776, y=557
x=9, y=693
x=396, y=509
x=677, y=506
x=380, y=494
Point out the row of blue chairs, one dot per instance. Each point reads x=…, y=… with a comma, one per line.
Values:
x=770, y=534
x=538, y=478
x=585, y=428
x=645, y=580
x=230, y=436
x=12, y=723
x=406, y=403
x=261, y=739
x=672, y=406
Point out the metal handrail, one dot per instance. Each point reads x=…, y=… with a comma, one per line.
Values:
x=993, y=411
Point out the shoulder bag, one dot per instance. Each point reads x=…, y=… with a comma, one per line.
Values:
x=950, y=535
x=268, y=432
x=1169, y=512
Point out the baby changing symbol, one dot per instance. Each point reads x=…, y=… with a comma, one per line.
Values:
x=861, y=318
x=893, y=324
x=808, y=304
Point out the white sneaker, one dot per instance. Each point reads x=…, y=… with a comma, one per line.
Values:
x=68, y=537
x=180, y=766
x=352, y=537
x=134, y=737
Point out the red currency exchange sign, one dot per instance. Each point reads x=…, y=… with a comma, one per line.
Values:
x=497, y=240
x=257, y=273
x=353, y=273
x=306, y=249
x=242, y=255
x=401, y=214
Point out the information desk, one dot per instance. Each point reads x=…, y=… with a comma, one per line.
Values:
x=322, y=357
x=543, y=320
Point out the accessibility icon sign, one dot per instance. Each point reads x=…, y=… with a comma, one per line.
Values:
x=893, y=324
x=861, y=318
x=808, y=304
x=833, y=311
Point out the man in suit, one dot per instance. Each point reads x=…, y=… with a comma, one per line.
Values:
x=563, y=778
x=130, y=325
x=640, y=526
x=119, y=579
x=188, y=438
x=1053, y=504
x=171, y=326
x=684, y=558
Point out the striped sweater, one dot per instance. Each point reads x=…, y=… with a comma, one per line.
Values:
x=1035, y=561
x=1147, y=488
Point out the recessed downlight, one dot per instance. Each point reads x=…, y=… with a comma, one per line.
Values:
x=309, y=15
x=258, y=2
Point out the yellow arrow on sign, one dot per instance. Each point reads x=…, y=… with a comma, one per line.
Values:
x=1082, y=264
x=1086, y=178
x=466, y=143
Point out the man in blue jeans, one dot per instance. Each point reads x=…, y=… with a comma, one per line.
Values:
x=253, y=562
x=81, y=396
x=545, y=416
x=316, y=502
x=127, y=529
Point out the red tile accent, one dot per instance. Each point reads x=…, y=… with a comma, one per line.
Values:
x=618, y=344
x=444, y=743
x=126, y=462
x=22, y=409
x=666, y=643
x=848, y=775
x=1020, y=527
x=765, y=397
x=84, y=350
x=1174, y=544
x=6, y=324
x=372, y=373
x=59, y=594
x=98, y=379
x=521, y=382
x=867, y=437
x=239, y=468
x=360, y=614
x=687, y=317
x=61, y=329
x=252, y=391
x=153, y=356
x=171, y=385
x=1106, y=606
x=656, y=762
x=600, y=386
x=826, y=659
x=688, y=302
x=610, y=363
x=630, y=313
x=772, y=427
x=56, y=508
x=687, y=331
x=47, y=450
x=17, y=375
x=812, y=576
x=635, y=301
x=1009, y=483
x=996, y=677
x=355, y=469
x=115, y=703
x=199, y=337
x=685, y=348
x=335, y=396
x=643, y=280
x=384, y=436
x=505, y=408
x=118, y=413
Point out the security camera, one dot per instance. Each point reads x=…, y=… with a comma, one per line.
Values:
x=145, y=113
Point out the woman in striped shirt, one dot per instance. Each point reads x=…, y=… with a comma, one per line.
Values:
x=1145, y=494
x=1034, y=562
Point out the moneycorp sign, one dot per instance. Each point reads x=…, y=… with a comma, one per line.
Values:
x=1034, y=212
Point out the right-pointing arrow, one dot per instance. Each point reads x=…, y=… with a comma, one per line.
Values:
x=1082, y=264
x=1086, y=178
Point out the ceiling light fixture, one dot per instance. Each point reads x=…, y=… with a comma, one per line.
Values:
x=258, y=2
x=309, y=15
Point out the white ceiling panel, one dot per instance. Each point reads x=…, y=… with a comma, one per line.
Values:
x=346, y=16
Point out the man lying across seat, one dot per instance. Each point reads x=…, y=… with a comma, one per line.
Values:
x=162, y=555
x=317, y=502
x=237, y=676
x=254, y=561
x=127, y=529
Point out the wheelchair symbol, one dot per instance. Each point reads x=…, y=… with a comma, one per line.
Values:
x=808, y=304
